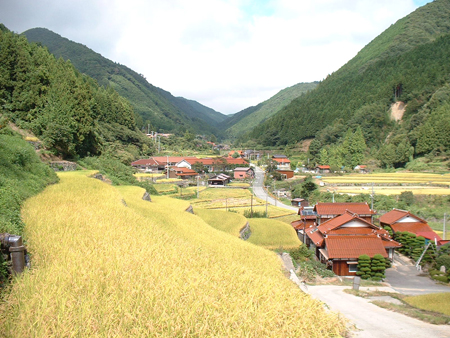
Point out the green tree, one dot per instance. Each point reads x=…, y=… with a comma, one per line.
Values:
x=364, y=267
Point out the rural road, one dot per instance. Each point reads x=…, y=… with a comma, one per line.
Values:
x=259, y=191
x=372, y=321
x=408, y=281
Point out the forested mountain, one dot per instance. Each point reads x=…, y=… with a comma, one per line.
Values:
x=68, y=111
x=153, y=105
x=409, y=62
x=249, y=118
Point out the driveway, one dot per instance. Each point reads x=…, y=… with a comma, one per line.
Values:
x=259, y=191
x=407, y=280
x=371, y=321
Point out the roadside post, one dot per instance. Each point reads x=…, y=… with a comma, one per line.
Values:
x=356, y=282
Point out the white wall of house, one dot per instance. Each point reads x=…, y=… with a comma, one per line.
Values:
x=408, y=219
x=355, y=224
x=183, y=164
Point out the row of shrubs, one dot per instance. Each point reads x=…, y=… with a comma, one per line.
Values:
x=372, y=268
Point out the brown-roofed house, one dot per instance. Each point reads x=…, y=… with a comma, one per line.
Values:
x=339, y=241
x=402, y=220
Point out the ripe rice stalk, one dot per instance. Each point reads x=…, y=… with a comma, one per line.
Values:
x=146, y=269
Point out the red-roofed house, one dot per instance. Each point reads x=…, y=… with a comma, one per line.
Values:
x=183, y=173
x=402, y=220
x=326, y=211
x=323, y=169
x=361, y=169
x=148, y=165
x=283, y=163
x=243, y=172
x=339, y=241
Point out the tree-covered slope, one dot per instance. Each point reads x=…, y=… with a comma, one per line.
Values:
x=249, y=118
x=153, y=105
x=68, y=111
x=22, y=175
x=408, y=62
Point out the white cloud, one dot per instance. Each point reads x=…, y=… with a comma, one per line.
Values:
x=227, y=54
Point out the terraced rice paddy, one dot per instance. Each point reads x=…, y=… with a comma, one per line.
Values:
x=108, y=264
x=389, y=183
x=228, y=222
x=272, y=234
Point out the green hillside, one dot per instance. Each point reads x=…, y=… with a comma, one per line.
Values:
x=66, y=110
x=408, y=63
x=247, y=119
x=22, y=175
x=153, y=105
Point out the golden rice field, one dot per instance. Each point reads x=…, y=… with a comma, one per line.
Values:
x=417, y=183
x=165, y=188
x=272, y=211
x=225, y=198
x=392, y=190
x=272, y=234
x=239, y=184
x=400, y=177
x=437, y=302
x=228, y=222
x=148, y=176
x=105, y=268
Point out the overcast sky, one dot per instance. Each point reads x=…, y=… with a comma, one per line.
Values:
x=225, y=54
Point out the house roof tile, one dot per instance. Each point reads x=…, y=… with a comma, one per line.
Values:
x=395, y=215
x=147, y=161
x=341, y=208
x=281, y=160
x=315, y=236
x=353, y=246
x=414, y=227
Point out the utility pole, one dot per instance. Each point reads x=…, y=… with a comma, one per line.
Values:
x=372, y=197
x=197, y=185
x=251, y=208
x=443, y=232
x=266, y=207
x=167, y=166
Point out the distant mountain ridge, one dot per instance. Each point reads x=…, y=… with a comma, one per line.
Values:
x=408, y=62
x=153, y=105
x=247, y=119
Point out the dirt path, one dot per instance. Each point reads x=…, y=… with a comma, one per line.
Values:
x=372, y=321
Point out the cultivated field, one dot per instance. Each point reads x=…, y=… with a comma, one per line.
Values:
x=389, y=183
x=228, y=222
x=437, y=302
x=225, y=198
x=108, y=264
x=272, y=234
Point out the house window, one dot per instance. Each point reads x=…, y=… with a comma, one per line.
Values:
x=353, y=267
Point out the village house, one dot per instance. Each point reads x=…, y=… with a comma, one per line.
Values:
x=338, y=242
x=182, y=173
x=323, y=169
x=402, y=220
x=219, y=180
x=241, y=173
x=340, y=232
x=299, y=202
x=282, y=162
x=362, y=169
x=285, y=173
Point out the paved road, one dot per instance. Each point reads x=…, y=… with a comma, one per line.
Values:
x=372, y=321
x=407, y=280
x=259, y=191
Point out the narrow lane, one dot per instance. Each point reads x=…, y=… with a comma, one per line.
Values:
x=258, y=189
x=372, y=321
